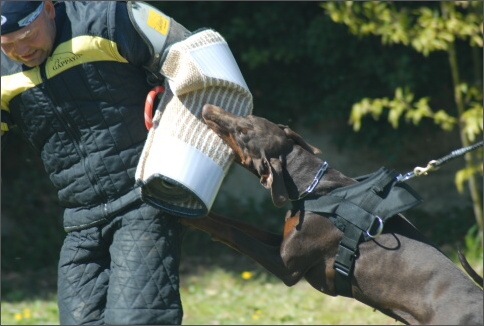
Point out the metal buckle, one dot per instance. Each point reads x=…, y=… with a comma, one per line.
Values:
x=339, y=270
x=344, y=260
x=378, y=231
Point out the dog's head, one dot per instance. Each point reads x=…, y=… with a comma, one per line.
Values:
x=259, y=145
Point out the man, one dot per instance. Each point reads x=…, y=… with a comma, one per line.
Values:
x=75, y=76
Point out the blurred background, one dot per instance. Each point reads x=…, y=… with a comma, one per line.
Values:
x=372, y=84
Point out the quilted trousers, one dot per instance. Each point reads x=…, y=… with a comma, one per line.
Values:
x=123, y=272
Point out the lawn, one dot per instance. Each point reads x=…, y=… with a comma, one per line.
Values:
x=251, y=296
x=228, y=289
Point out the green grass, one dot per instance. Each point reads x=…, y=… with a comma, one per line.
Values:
x=214, y=295
x=228, y=289
x=30, y=312
x=220, y=297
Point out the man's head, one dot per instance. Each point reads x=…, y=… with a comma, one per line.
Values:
x=28, y=30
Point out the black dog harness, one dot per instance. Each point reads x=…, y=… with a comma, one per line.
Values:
x=360, y=211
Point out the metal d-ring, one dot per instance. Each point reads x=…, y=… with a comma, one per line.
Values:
x=378, y=231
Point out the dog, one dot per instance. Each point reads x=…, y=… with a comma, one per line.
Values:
x=397, y=271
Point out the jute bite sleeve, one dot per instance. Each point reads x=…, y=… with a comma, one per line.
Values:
x=183, y=162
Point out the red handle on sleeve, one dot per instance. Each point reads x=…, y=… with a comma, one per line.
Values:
x=150, y=100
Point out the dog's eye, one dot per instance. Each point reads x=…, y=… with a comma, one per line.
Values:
x=242, y=131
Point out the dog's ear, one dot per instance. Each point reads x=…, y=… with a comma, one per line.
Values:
x=299, y=140
x=278, y=190
x=271, y=177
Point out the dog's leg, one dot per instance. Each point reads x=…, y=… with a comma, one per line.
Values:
x=262, y=246
x=266, y=237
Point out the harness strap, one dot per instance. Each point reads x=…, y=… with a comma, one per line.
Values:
x=343, y=210
x=373, y=197
x=345, y=260
x=353, y=234
x=359, y=211
x=365, y=222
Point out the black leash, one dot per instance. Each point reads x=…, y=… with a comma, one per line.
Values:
x=435, y=164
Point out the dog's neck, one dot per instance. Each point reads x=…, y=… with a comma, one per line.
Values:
x=301, y=168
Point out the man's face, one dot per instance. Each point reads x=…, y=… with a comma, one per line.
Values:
x=32, y=44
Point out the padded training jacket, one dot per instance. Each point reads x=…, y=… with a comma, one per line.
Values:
x=82, y=109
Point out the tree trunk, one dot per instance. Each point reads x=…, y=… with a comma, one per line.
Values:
x=469, y=157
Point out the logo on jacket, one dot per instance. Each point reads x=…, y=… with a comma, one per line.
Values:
x=61, y=60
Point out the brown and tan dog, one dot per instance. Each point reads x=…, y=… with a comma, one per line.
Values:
x=398, y=273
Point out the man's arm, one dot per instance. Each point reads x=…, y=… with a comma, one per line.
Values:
x=143, y=34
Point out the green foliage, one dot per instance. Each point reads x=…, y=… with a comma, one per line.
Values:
x=473, y=244
x=463, y=175
x=401, y=105
x=303, y=68
x=472, y=118
x=427, y=28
